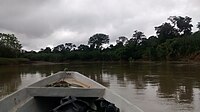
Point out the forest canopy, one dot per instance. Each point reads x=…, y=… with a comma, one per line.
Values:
x=174, y=40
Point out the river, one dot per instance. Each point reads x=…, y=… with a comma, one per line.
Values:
x=154, y=87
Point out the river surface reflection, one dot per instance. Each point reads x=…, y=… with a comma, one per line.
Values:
x=154, y=87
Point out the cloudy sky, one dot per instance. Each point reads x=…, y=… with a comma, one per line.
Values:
x=41, y=23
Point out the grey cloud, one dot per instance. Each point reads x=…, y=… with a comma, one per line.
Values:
x=52, y=22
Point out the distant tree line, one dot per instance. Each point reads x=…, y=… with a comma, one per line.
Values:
x=174, y=40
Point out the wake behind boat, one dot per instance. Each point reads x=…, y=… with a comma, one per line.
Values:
x=46, y=94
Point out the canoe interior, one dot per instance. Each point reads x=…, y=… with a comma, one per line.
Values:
x=45, y=104
x=70, y=77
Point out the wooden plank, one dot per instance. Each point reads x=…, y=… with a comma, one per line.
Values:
x=62, y=92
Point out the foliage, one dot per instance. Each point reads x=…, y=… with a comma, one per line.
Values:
x=138, y=36
x=174, y=41
x=183, y=24
x=97, y=40
x=122, y=40
x=83, y=48
x=9, y=45
x=136, y=48
x=166, y=31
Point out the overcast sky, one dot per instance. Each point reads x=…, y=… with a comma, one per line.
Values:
x=41, y=23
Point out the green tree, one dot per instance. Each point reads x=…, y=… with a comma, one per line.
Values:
x=166, y=31
x=138, y=36
x=69, y=46
x=83, y=47
x=150, y=52
x=46, y=50
x=59, y=48
x=9, y=40
x=122, y=40
x=9, y=45
x=133, y=48
x=97, y=40
x=182, y=23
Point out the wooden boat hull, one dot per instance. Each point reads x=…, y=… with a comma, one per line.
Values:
x=38, y=98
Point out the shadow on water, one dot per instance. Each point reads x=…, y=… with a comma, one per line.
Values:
x=175, y=81
x=172, y=80
x=9, y=80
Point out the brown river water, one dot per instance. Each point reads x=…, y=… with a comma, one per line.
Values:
x=153, y=87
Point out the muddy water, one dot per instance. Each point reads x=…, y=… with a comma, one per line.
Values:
x=154, y=87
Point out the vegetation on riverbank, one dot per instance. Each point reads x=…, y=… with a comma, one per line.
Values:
x=13, y=61
x=174, y=41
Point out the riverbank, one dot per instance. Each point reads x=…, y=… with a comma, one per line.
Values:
x=25, y=61
x=14, y=61
x=45, y=63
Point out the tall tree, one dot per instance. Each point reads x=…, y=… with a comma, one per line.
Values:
x=9, y=45
x=138, y=36
x=9, y=40
x=69, y=46
x=122, y=39
x=97, y=40
x=183, y=24
x=166, y=31
x=59, y=48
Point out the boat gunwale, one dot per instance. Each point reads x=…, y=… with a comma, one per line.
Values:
x=63, y=92
x=62, y=75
